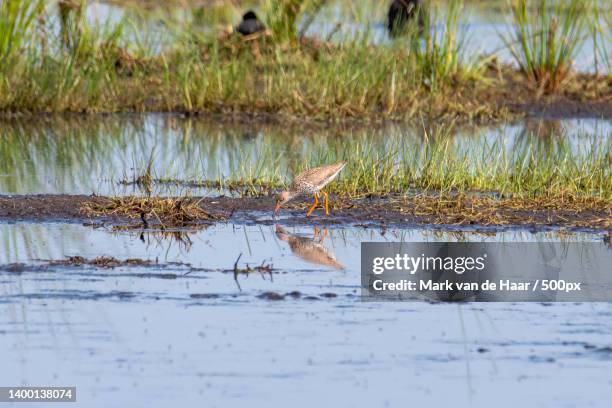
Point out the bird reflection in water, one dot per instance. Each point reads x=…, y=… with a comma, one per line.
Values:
x=310, y=250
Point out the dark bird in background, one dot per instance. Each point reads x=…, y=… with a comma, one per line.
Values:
x=401, y=12
x=250, y=24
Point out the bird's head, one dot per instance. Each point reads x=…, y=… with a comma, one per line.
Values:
x=281, y=199
x=249, y=15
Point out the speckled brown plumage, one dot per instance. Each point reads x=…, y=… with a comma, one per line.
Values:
x=312, y=180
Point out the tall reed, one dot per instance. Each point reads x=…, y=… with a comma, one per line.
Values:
x=600, y=26
x=544, y=41
x=283, y=17
x=439, y=47
x=17, y=18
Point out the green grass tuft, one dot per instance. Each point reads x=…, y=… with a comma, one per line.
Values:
x=545, y=41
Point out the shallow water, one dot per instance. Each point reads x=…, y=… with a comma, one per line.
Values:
x=85, y=156
x=170, y=334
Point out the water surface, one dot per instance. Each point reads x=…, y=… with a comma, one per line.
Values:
x=177, y=335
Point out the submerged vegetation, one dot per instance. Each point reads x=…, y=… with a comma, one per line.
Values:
x=72, y=64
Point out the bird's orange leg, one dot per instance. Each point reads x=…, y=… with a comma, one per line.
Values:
x=326, y=203
x=312, y=208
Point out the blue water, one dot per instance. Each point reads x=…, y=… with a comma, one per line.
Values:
x=183, y=335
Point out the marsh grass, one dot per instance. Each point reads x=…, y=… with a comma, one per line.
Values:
x=440, y=165
x=529, y=167
x=439, y=51
x=111, y=67
x=166, y=212
x=188, y=154
x=600, y=27
x=145, y=179
x=460, y=209
x=177, y=66
x=545, y=41
x=77, y=69
x=282, y=16
x=17, y=19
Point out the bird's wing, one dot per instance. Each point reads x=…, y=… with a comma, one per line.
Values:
x=318, y=175
x=301, y=185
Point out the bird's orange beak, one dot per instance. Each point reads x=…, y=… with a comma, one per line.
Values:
x=277, y=208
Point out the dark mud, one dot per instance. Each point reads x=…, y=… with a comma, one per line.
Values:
x=462, y=213
x=585, y=95
x=101, y=262
x=96, y=270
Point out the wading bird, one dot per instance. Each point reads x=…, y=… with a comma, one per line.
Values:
x=310, y=182
x=400, y=13
x=250, y=24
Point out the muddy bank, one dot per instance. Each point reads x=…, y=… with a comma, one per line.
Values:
x=585, y=95
x=459, y=212
x=507, y=97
